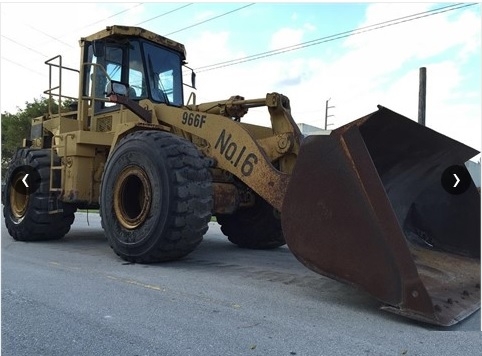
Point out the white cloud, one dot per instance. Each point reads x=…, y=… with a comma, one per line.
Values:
x=309, y=27
x=204, y=15
x=286, y=37
x=209, y=48
x=382, y=67
x=381, y=12
x=421, y=38
x=37, y=39
x=378, y=67
x=421, y=43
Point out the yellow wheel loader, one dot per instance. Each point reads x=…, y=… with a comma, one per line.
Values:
x=363, y=205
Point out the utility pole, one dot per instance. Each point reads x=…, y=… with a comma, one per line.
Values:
x=422, y=95
x=326, y=114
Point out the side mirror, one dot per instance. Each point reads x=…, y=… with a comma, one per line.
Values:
x=116, y=88
x=193, y=79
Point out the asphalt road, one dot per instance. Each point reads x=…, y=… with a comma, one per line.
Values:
x=76, y=297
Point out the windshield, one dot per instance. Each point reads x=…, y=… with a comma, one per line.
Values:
x=149, y=70
x=164, y=73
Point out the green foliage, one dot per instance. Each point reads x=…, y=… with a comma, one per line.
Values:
x=16, y=127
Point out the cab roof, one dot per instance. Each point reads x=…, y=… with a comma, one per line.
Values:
x=123, y=31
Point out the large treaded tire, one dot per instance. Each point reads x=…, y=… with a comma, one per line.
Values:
x=255, y=227
x=27, y=216
x=156, y=197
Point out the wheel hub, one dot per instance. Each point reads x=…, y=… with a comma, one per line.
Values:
x=132, y=197
x=19, y=196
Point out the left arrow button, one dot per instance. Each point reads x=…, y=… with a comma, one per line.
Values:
x=24, y=180
x=28, y=181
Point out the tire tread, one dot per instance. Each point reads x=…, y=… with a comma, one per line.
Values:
x=37, y=224
x=190, y=210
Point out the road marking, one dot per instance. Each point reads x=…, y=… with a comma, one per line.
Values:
x=137, y=283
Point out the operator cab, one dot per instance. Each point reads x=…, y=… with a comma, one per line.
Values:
x=147, y=65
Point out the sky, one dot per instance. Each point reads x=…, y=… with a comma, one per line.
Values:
x=353, y=54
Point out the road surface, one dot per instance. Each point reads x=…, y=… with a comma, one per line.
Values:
x=76, y=297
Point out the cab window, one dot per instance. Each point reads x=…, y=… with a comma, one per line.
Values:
x=164, y=73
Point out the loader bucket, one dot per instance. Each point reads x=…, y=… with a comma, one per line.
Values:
x=365, y=206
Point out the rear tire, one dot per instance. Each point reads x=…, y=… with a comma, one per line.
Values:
x=156, y=197
x=27, y=215
x=256, y=227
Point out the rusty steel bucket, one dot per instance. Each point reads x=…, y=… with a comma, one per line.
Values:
x=365, y=206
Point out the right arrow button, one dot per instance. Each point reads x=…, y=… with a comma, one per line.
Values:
x=457, y=180
x=462, y=179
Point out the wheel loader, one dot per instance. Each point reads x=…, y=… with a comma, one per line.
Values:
x=363, y=205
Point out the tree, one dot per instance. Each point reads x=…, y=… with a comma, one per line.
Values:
x=16, y=127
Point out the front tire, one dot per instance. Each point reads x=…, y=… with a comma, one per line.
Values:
x=156, y=197
x=28, y=214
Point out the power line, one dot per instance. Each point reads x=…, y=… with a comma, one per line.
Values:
x=333, y=37
x=22, y=45
x=22, y=66
x=57, y=38
x=210, y=19
x=109, y=17
x=322, y=40
x=273, y=52
x=51, y=37
x=77, y=30
x=165, y=13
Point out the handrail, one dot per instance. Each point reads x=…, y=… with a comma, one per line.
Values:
x=51, y=89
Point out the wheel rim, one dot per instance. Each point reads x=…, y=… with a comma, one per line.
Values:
x=132, y=197
x=18, y=196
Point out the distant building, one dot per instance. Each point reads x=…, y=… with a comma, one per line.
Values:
x=474, y=170
x=307, y=130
